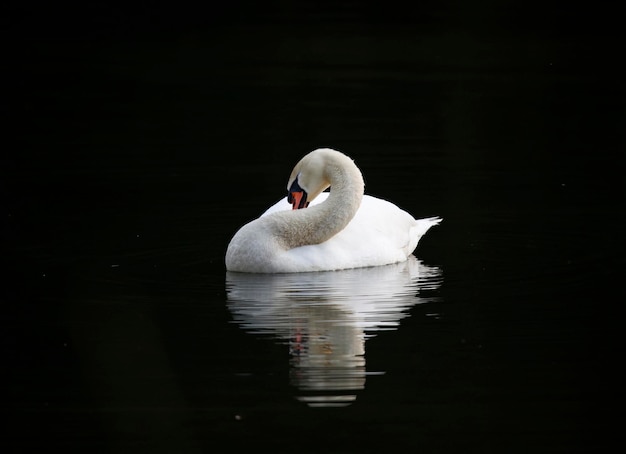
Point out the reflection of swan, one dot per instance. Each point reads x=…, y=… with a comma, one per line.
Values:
x=325, y=319
x=348, y=230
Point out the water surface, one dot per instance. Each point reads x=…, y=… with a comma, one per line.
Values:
x=325, y=319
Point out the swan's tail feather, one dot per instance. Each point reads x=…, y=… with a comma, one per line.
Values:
x=433, y=220
x=419, y=229
x=422, y=225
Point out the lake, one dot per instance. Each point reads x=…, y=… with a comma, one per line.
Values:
x=142, y=151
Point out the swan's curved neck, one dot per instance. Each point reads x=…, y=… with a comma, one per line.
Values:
x=321, y=222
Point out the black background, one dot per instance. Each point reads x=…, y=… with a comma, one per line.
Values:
x=138, y=136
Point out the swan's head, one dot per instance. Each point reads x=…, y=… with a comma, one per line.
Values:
x=308, y=179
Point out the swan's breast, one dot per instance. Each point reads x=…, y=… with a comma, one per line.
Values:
x=252, y=249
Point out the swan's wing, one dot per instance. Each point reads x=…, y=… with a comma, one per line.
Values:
x=380, y=233
x=384, y=232
x=388, y=221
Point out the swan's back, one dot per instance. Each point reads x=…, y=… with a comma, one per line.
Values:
x=379, y=234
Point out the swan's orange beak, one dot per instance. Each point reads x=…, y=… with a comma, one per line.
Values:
x=297, y=196
x=298, y=200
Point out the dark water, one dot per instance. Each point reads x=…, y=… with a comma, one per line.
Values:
x=143, y=139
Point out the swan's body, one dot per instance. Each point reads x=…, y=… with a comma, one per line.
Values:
x=341, y=229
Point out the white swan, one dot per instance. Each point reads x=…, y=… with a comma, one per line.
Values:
x=340, y=229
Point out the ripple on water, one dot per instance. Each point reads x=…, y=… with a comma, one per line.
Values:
x=325, y=318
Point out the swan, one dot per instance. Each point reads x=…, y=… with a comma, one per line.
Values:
x=314, y=230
